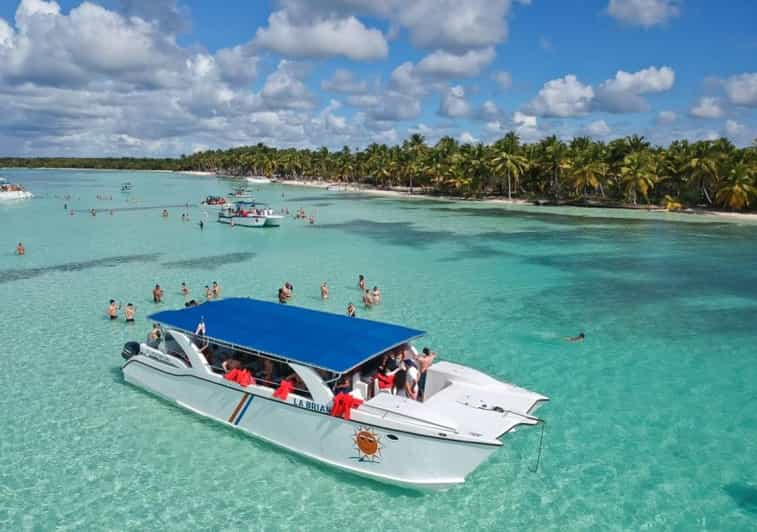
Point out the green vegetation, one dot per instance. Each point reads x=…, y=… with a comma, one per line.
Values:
x=583, y=171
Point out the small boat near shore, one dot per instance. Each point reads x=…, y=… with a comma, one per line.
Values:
x=249, y=214
x=283, y=389
x=214, y=201
x=13, y=191
x=241, y=194
x=258, y=180
x=126, y=187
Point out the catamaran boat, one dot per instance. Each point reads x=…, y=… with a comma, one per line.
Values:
x=258, y=180
x=11, y=191
x=249, y=214
x=435, y=443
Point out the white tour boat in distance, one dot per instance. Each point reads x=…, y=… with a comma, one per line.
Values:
x=249, y=214
x=435, y=443
x=258, y=180
x=12, y=191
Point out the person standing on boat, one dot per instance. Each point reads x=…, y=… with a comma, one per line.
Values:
x=20, y=249
x=153, y=338
x=324, y=290
x=129, y=313
x=112, y=311
x=424, y=362
x=351, y=312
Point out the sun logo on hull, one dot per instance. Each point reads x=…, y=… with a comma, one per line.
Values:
x=368, y=445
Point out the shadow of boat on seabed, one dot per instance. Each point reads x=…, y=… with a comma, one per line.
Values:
x=745, y=495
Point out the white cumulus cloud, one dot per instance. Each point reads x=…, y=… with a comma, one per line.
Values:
x=598, y=128
x=622, y=94
x=666, y=117
x=454, y=104
x=503, y=79
x=645, y=13
x=707, y=107
x=742, y=89
x=449, y=65
x=562, y=97
x=322, y=37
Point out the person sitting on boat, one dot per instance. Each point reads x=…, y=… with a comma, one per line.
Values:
x=351, y=311
x=231, y=364
x=344, y=385
x=112, y=311
x=20, y=249
x=324, y=290
x=157, y=294
x=153, y=338
x=376, y=295
x=216, y=290
x=129, y=313
x=411, y=379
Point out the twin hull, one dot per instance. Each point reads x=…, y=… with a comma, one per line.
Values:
x=305, y=428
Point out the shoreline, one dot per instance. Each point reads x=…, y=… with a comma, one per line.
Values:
x=732, y=216
x=370, y=190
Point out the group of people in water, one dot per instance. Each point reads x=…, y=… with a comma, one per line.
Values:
x=130, y=311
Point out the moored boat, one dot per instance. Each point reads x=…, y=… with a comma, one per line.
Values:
x=258, y=180
x=126, y=186
x=214, y=201
x=13, y=191
x=249, y=214
x=435, y=443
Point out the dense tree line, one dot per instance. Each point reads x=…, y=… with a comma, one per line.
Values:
x=623, y=171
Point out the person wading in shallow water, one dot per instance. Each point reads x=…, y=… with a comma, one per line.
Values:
x=20, y=249
x=157, y=294
x=351, y=311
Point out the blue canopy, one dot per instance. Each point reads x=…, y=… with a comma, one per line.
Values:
x=310, y=337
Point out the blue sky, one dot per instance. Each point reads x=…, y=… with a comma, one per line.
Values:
x=164, y=77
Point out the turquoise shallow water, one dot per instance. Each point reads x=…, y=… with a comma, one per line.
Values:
x=652, y=423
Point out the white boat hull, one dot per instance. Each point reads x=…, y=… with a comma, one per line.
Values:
x=16, y=195
x=306, y=428
x=258, y=180
x=269, y=220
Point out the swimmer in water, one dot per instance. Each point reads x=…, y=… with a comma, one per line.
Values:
x=20, y=249
x=184, y=290
x=367, y=299
x=324, y=290
x=376, y=295
x=351, y=312
x=157, y=294
x=216, y=290
x=202, y=225
x=361, y=281
x=573, y=339
x=129, y=312
x=208, y=293
x=282, y=296
x=112, y=311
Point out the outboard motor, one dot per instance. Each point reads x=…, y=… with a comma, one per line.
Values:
x=130, y=349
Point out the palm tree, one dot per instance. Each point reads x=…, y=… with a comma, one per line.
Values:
x=738, y=191
x=588, y=174
x=638, y=175
x=512, y=166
